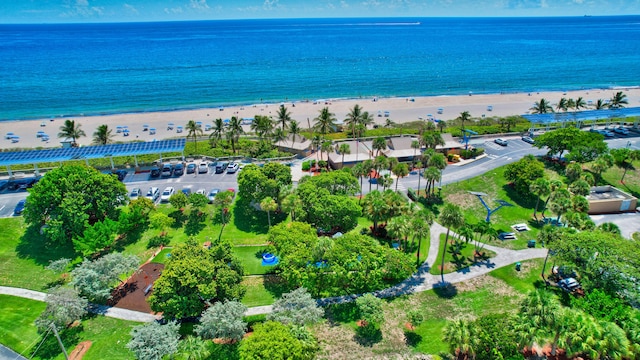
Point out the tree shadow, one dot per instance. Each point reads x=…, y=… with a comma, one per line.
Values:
x=224, y=351
x=527, y=202
x=50, y=348
x=195, y=223
x=411, y=338
x=35, y=246
x=129, y=238
x=445, y=290
x=248, y=218
x=342, y=313
x=275, y=285
x=368, y=335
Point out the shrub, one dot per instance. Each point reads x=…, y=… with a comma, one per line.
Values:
x=306, y=166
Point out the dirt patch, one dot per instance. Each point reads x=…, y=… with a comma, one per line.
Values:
x=462, y=199
x=131, y=295
x=78, y=352
x=497, y=286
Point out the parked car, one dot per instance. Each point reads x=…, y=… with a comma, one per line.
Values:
x=19, y=207
x=221, y=167
x=153, y=194
x=186, y=191
x=212, y=194
x=155, y=172
x=166, y=194
x=135, y=193
x=501, y=142
x=528, y=140
x=202, y=192
x=167, y=170
x=608, y=133
x=202, y=168
x=9, y=135
x=178, y=170
x=40, y=134
x=232, y=168
x=569, y=284
x=121, y=174
x=191, y=168
x=621, y=130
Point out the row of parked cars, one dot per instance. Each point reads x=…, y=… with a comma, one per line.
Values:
x=154, y=193
x=620, y=130
x=179, y=169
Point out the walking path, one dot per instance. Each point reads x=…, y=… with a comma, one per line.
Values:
x=422, y=280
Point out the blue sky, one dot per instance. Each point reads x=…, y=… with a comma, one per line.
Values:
x=56, y=11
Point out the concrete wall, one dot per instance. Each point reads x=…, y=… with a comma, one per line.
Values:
x=610, y=206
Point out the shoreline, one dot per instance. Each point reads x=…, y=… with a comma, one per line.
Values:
x=401, y=110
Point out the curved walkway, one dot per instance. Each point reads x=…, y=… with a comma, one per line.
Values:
x=422, y=280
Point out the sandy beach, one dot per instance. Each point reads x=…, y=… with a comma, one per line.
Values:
x=400, y=110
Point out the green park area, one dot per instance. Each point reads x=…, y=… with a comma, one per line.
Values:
x=367, y=243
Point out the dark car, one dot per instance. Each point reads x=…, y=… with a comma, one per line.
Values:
x=221, y=167
x=191, y=168
x=167, y=170
x=23, y=184
x=121, y=174
x=186, y=191
x=178, y=170
x=155, y=172
x=19, y=207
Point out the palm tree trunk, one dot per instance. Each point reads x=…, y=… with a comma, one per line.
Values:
x=623, y=174
x=360, y=200
x=544, y=265
x=419, y=246
x=535, y=211
x=444, y=251
x=269, y=218
x=398, y=178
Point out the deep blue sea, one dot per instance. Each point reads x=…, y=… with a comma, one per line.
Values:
x=71, y=69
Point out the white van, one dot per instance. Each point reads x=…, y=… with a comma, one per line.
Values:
x=153, y=194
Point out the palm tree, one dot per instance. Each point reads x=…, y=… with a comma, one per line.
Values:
x=103, y=135
x=262, y=126
x=419, y=167
x=268, y=204
x=359, y=172
x=400, y=170
x=71, y=130
x=421, y=224
x=462, y=337
x=623, y=158
x=540, y=187
x=374, y=208
x=366, y=119
x=415, y=145
x=554, y=185
x=193, y=131
x=600, y=105
x=326, y=147
x=561, y=203
x=354, y=118
x=464, y=117
x=442, y=125
x=294, y=130
x=316, y=141
x=279, y=135
x=432, y=139
x=343, y=149
x=579, y=103
x=386, y=181
x=450, y=217
x=234, y=131
x=619, y=100
x=325, y=122
x=562, y=105
x=218, y=131
x=293, y=205
x=541, y=107
x=399, y=227
x=283, y=117
x=538, y=312
x=379, y=144
x=379, y=163
x=367, y=167
x=601, y=164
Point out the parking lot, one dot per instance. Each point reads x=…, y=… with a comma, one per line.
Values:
x=142, y=180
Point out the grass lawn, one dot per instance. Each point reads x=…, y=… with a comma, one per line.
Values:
x=23, y=257
x=251, y=259
x=163, y=256
x=467, y=252
x=17, y=330
x=261, y=290
x=631, y=180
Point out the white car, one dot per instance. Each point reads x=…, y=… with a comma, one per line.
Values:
x=153, y=194
x=203, y=168
x=212, y=195
x=232, y=168
x=501, y=142
x=621, y=130
x=135, y=193
x=202, y=192
x=166, y=194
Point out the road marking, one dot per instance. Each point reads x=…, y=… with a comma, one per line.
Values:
x=492, y=156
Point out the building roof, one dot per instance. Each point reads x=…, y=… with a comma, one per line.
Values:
x=582, y=115
x=301, y=143
x=449, y=143
x=90, y=152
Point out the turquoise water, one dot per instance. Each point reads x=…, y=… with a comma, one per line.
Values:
x=71, y=69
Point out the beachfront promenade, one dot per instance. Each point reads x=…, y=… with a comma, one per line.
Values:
x=420, y=281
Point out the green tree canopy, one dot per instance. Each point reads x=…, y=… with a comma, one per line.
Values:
x=96, y=278
x=523, y=173
x=223, y=320
x=70, y=198
x=583, y=146
x=194, y=276
x=296, y=308
x=64, y=306
x=154, y=341
x=274, y=340
x=370, y=309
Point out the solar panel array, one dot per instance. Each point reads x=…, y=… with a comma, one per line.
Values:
x=91, y=152
x=582, y=115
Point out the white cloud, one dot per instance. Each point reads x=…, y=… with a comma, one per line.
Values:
x=199, y=4
x=80, y=8
x=344, y=4
x=270, y=4
x=131, y=8
x=175, y=10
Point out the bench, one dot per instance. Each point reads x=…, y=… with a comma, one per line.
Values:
x=147, y=289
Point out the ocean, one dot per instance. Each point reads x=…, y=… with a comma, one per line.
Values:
x=49, y=70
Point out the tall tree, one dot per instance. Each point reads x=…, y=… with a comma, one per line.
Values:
x=234, y=131
x=359, y=171
x=222, y=320
x=296, y=308
x=539, y=187
x=379, y=145
x=64, y=306
x=623, y=158
x=415, y=145
x=294, y=130
x=421, y=224
x=450, y=217
x=541, y=107
x=268, y=204
x=283, y=117
x=462, y=337
x=193, y=131
x=562, y=105
x=618, y=100
x=96, y=278
x=344, y=149
x=103, y=135
x=71, y=130
x=580, y=104
x=354, y=118
x=442, y=125
x=600, y=104
x=218, y=131
x=154, y=341
x=325, y=122
x=464, y=116
x=400, y=170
